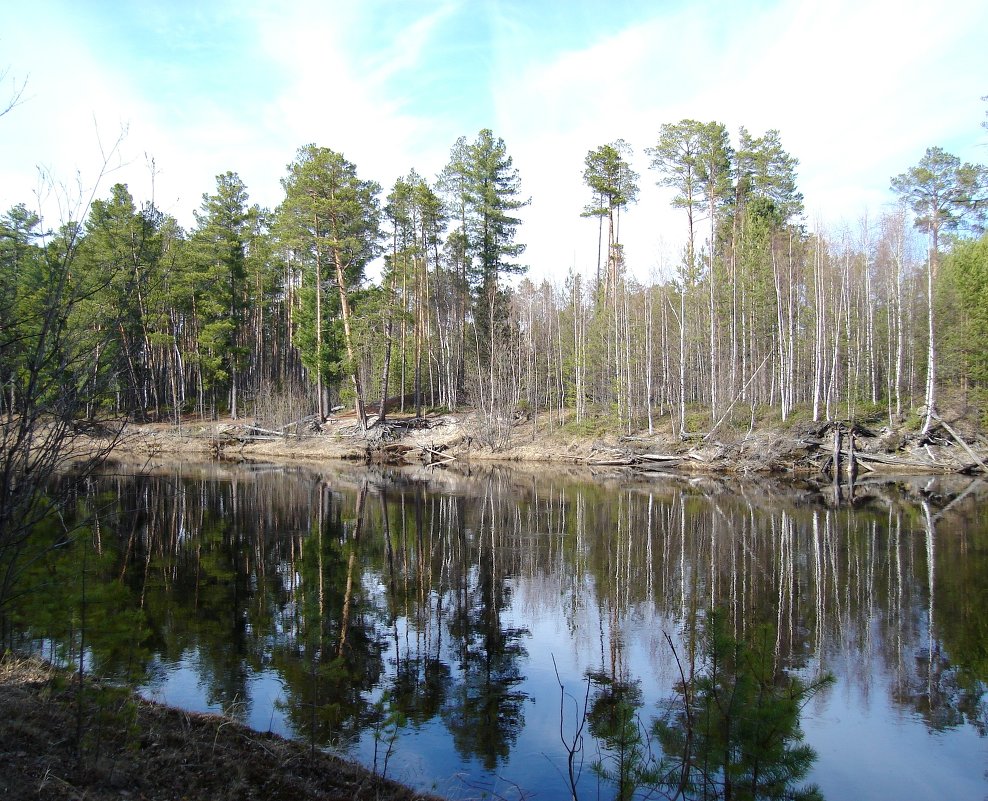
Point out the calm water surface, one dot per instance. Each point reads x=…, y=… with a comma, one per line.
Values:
x=432, y=622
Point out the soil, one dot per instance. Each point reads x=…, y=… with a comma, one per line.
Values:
x=123, y=747
x=802, y=447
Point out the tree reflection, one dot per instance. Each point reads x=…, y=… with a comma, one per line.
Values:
x=334, y=659
x=613, y=720
x=485, y=710
x=946, y=681
x=421, y=680
x=373, y=598
x=732, y=730
x=729, y=732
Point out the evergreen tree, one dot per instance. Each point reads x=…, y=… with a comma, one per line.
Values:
x=493, y=190
x=734, y=732
x=614, y=185
x=762, y=168
x=20, y=257
x=963, y=293
x=118, y=268
x=330, y=221
x=219, y=256
x=944, y=195
x=676, y=157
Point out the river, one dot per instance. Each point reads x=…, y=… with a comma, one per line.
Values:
x=481, y=633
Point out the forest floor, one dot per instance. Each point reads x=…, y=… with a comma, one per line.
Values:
x=115, y=745
x=954, y=444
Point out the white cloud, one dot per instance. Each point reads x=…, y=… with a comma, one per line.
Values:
x=857, y=90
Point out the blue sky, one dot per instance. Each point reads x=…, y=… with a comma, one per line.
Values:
x=857, y=88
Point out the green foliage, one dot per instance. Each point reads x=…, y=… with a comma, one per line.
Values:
x=694, y=159
x=613, y=719
x=388, y=721
x=697, y=420
x=493, y=190
x=109, y=713
x=733, y=732
x=488, y=187
x=765, y=170
x=763, y=415
x=958, y=675
x=329, y=222
x=596, y=423
x=798, y=415
x=217, y=276
x=963, y=301
x=72, y=601
x=117, y=276
x=867, y=411
x=943, y=193
x=611, y=180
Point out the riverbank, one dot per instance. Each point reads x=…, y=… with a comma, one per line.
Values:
x=802, y=447
x=114, y=745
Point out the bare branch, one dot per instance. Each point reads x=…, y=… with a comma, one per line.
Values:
x=16, y=92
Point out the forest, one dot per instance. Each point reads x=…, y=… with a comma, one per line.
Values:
x=350, y=298
x=347, y=295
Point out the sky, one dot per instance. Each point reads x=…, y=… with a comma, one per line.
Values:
x=171, y=94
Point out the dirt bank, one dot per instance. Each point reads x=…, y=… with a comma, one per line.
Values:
x=118, y=746
x=805, y=447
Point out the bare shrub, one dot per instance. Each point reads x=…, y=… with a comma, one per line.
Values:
x=288, y=407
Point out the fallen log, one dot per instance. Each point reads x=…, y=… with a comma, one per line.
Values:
x=659, y=457
x=961, y=442
x=312, y=418
x=898, y=461
x=256, y=430
x=658, y=468
x=437, y=458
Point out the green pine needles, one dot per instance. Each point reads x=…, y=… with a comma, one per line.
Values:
x=730, y=732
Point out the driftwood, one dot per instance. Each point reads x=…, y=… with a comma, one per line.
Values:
x=257, y=430
x=658, y=468
x=961, y=442
x=440, y=457
x=311, y=419
x=897, y=461
x=844, y=451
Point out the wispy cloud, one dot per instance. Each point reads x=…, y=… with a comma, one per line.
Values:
x=858, y=89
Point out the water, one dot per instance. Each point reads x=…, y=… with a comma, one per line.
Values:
x=455, y=629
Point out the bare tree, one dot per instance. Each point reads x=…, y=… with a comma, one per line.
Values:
x=50, y=370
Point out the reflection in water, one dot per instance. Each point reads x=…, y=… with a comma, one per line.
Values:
x=440, y=604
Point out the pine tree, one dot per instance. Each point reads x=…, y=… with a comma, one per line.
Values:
x=219, y=255
x=330, y=221
x=944, y=195
x=492, y=195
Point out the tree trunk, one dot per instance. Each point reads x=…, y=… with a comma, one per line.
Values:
x=321, y=407
x=348, y=337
